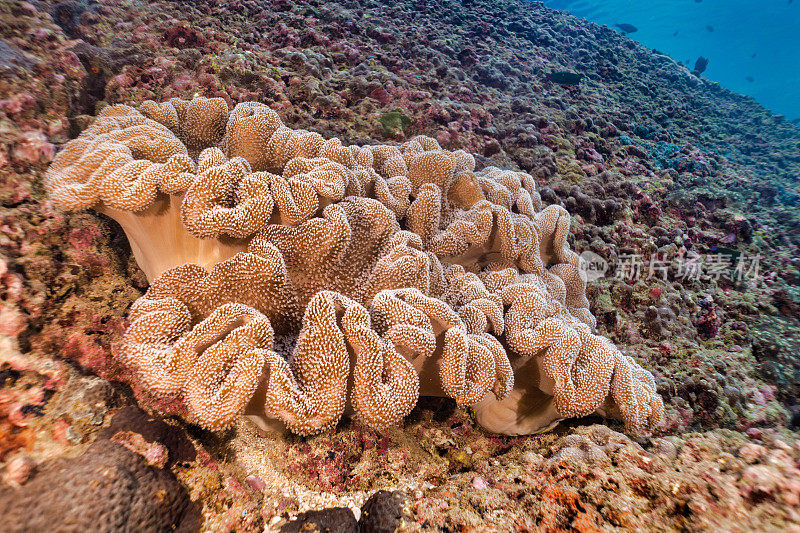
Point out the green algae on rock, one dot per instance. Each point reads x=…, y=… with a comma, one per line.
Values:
x=394, y=123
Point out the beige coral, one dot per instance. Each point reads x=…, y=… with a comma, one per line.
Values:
x=357, y=249
x=295, y=278
x=575, y=369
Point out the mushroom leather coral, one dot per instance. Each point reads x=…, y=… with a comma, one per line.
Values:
x=294, y=278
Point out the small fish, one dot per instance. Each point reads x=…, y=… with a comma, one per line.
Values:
x=700, y=65
x=730, y=252
x=565, y=78
x=710, y=28
x=753, y=56
x=627, y=28
x=675, y=34
x=751, y=79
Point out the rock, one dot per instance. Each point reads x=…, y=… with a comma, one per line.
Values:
x=12, y=59
x=107, y=489
x=255, y=482
x=69, y=15
x=135, y=420
x=382, y=512
x=332, y=520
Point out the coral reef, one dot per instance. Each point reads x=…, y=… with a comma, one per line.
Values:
x=681, y=193
x=395, y=312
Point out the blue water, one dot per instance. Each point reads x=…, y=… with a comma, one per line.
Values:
x=759, y=39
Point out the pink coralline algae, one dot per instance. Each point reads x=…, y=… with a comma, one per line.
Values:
x=32, y=148
x=13, y=320
x=182, y=35
x=19, y=469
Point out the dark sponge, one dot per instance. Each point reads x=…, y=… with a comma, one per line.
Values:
x=107, y=489
x=331, y=520
x=382, y=512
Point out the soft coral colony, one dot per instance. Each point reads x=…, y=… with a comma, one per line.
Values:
x=294, y=278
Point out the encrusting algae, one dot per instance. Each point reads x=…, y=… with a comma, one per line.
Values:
x=294, y=278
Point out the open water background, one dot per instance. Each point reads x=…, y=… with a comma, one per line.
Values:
x=768, y=29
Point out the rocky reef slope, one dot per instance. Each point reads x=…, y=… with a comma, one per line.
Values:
x=680, y=187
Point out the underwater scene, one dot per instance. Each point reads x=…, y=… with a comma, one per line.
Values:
x=409, y=266
x=750, y=47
